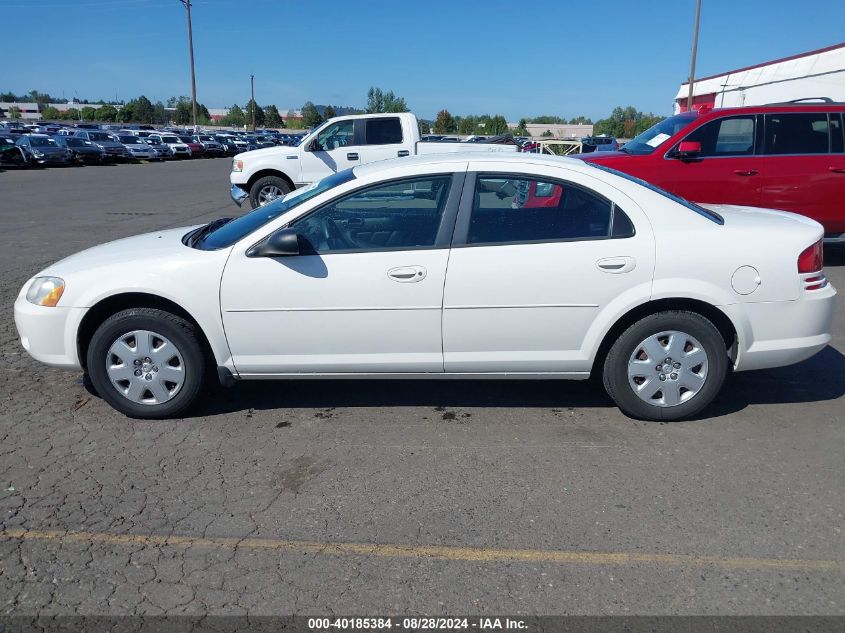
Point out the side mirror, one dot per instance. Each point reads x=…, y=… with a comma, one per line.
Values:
x=314, y=146
x=688, y=149
x=282, y=243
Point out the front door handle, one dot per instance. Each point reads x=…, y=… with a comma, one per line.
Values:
x=836, y=170
x=745, y=172
x=407, y=274
x=617, y=265
x=352, y=156
x=402, y=153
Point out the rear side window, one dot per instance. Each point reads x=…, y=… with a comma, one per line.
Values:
x=797, y=133
x=387, y=131
x=510, y=209
x=728, y=136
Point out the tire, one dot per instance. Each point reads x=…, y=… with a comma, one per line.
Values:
x=174, y=352
x=267, y=186
x=632, y=376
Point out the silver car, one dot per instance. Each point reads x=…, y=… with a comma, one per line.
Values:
x=137, y=148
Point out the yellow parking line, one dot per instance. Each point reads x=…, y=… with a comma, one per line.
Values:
x=440, y=552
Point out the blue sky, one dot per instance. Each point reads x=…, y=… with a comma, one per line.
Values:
x=523, y=58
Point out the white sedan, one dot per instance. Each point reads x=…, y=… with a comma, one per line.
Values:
x=460, y=266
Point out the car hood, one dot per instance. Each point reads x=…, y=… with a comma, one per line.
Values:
x=108, y=143
x=264, y=152
x=156, y=246
x=50, y=149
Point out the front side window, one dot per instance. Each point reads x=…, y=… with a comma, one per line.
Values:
x=729, y=136
x=399, y=215
x=797, y=133
x=512, y=209
x=336, y=135
x=386, y=131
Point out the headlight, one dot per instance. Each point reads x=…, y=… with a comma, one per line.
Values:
x=37, y=154
x=237, y=165
x=45, y=291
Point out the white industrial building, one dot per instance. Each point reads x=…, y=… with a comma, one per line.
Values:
x=819, y=73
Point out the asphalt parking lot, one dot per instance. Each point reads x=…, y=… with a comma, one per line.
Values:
x=381, y=497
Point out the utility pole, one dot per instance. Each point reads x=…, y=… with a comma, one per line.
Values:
x=694, y=51
x=252, y=99
x=187, y=4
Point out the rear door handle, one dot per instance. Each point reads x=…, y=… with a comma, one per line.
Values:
x=617, y=265
x=352, y=156
x=745, y=172
x=407, y=274
x=402, y=153
x=837, y=170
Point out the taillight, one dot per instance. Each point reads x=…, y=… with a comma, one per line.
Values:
x=811, y=259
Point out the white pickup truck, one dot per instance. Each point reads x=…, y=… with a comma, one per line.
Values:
x=340, y=143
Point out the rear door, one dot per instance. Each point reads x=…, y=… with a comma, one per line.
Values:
x=535, y=260
x=380, y=138
x=805, y=166
x=727, y=171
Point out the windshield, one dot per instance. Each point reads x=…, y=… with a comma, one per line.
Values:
x=169, y=139
x=37, y=141
x=658, y=134
x=99, y=136
x=129, y=140
x=186, y=139
x=75, y=142
x=240, y=227
x=206, y=138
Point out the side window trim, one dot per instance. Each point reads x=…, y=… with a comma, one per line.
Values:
x=462, y=225
x=444, y=230
x=756, y=141
x=764, y=143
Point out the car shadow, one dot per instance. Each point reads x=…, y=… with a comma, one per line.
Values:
x=817, y=379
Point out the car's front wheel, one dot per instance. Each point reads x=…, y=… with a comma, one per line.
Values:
x=666, y=366
x=266, y=190
x=147, y=363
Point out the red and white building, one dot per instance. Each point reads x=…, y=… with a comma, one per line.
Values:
x=819, y=73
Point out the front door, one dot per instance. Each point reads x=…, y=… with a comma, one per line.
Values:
x=335, y=152
x=727, y=171
x=536, y=260
x=367, y=299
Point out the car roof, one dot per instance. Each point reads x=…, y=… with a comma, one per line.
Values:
x=769, y=108
x=516, y=158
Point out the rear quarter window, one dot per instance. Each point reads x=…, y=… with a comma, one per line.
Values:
x=386, y=131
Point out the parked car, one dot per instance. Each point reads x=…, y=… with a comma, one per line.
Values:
x=81, y=150
x=229, y=143
x=179, y=149
x=11, y=154
x=618, y=278
x=599, y=144
x=43, y=150
x=266, y=174
x=137, y=148
x=163, y=152
x=197, y=149
x=114, y=149
x=211, y=145
x=788, y=157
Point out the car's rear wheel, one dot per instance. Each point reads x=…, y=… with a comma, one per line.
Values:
x=147, y=363
x=266, y=190
x=666, y=366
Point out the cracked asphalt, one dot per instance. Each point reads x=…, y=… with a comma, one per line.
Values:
x=381, y=497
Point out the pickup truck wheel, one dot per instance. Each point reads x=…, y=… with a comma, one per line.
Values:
x=266, y=190
x=667, y=366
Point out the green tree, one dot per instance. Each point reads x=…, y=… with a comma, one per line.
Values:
x=2, y=113
x=107, y=113
x=159, y=114
x=127, y=113
x=496, y=125
x=14, y=112
x=547, y=119
x=425, y=127
x=49, y=112
x=547, y=133
x=522, y=128
x=378, y=101
x=329, y=112
x=88, y=113
x=71, y=114
x=259, y=113
x=184, y=114
x=143, y=109
x=581, y=120
x=310, y=116
x=625, y=122
x=444, y=123
x=235, y=117
x=272, y=118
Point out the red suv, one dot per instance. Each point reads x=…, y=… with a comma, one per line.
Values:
x=789, y=157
